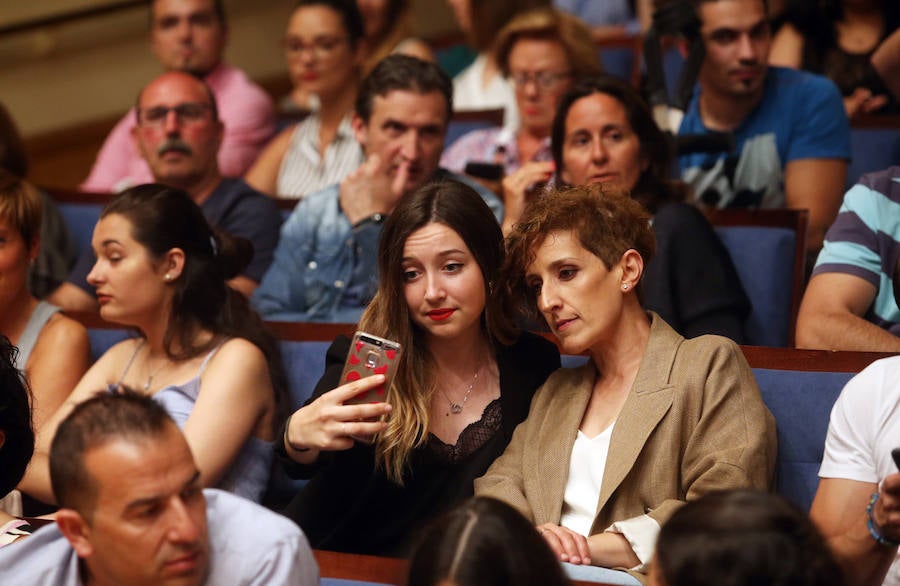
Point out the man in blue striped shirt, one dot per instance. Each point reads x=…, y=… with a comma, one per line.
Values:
x=849, y=303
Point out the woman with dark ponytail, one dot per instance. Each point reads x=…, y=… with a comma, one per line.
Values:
x=162, y=270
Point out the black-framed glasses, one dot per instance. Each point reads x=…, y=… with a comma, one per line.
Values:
x=186, y=113
x=545, y=80
x=321, y=48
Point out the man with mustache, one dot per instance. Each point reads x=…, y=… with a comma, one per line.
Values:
x=132, y=511
x=792, y=137
x=178, y=133
x=325, y=266
x=190, y=36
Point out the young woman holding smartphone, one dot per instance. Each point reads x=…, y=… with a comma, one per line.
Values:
x=464, y=381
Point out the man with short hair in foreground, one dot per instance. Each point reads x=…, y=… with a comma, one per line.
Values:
x=133, y=512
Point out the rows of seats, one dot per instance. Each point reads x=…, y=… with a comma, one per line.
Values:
x=798, y=386
x=766, y=247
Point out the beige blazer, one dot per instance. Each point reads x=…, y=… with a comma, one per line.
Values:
x=694, y=422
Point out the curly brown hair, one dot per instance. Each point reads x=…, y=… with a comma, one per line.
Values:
x=606, y=220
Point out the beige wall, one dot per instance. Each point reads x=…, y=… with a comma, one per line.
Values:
x=68, y=75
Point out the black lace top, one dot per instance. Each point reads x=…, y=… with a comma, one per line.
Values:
x=475, y=435
x=349, y=505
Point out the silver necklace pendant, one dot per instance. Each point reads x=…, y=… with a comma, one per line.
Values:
x=455, y=408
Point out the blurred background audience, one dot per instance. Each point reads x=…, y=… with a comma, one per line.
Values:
x=324, y=46
x=837, y=38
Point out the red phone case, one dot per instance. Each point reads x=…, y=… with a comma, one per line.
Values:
x=370, y=355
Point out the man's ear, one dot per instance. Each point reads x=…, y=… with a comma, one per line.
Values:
x=76, y=530
x=136, y=141
x=360, y=130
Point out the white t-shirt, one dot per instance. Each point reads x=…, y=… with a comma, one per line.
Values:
x=469, y=93
x=864, y=428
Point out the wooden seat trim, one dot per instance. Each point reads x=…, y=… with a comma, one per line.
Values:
x=368, y=568
x=757, y=356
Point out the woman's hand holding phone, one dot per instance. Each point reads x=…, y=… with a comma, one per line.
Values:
x=329, y=424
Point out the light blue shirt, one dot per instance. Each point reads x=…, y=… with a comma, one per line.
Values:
x=249, y=545
x=326, y=270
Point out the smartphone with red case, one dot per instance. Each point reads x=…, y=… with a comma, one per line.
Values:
x=370, y=355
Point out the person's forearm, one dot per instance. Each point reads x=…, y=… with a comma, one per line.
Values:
x=865, y=562
x=612, y=550
x=842, y=331
x=886, y=61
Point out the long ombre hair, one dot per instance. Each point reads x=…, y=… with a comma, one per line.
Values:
x=460, y=208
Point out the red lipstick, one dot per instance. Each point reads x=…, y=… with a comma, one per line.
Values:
x=440, y=314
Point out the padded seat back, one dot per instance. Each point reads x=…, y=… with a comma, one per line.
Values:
x=304, y=363
x=872, y=149
x=102, y=339
x=765, y=262
x=801, y=403
x=80, y=218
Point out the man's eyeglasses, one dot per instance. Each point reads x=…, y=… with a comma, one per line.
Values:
x=321, y=48
x=186, y=113
x=544, y=80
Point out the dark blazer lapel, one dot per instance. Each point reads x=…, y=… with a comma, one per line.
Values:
x=557, y=437
x=649, y=400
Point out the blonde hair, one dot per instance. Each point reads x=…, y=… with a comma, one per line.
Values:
x=549, y=24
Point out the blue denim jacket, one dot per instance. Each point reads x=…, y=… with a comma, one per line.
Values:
x=324, y=269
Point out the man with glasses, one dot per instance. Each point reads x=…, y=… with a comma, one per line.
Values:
x=178, y=133
x=190, y=36
x=791, y=134
x=325, y=268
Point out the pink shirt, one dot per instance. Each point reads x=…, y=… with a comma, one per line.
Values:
x=244, y=108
